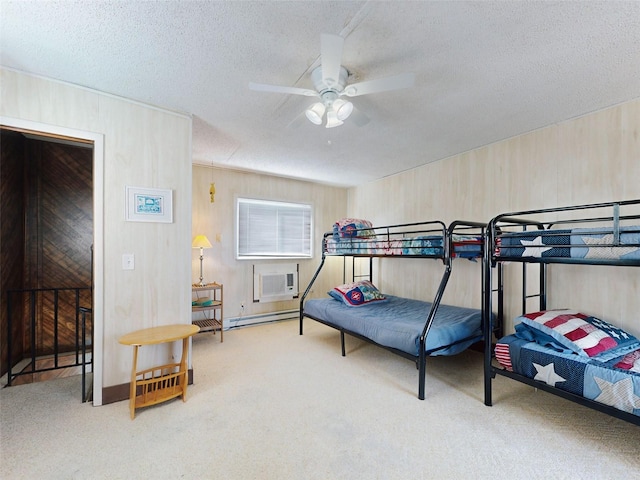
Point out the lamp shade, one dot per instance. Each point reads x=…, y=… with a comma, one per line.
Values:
x=332, y=119
x=201, y=241
x=343, y=109
x=315, y=113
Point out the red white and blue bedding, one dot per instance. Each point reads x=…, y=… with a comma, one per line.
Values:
x=352, y=236
x=398, y=322
x=464, y=246
x=583, y=243
x=467, y=246
x=577, y=353
x=430, y=245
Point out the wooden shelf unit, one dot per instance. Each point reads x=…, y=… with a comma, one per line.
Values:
x=215, y=322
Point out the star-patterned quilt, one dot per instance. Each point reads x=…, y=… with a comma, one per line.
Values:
x=615, y=382
x=592, y=243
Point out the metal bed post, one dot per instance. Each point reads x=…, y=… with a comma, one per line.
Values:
x=422, y=354
x=488, y=308
x=422, y=357
x=313, y=279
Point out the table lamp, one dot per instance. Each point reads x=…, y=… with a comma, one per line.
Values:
x=201, y=242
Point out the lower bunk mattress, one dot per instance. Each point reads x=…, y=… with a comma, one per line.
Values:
x=615, y=382
x=398, y=323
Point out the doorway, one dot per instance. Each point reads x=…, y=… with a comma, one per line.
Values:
x=61, y=241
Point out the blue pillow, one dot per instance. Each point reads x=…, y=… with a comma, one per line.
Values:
x=357, y=293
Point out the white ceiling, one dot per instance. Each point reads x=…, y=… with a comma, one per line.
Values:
x=485, y=71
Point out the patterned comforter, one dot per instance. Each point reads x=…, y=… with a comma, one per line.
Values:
x=465, y=246
x=585, y=243
x=615, y=382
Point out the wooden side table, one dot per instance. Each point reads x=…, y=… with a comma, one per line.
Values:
x=163, y=382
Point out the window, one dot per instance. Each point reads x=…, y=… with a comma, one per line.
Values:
x=273, y=229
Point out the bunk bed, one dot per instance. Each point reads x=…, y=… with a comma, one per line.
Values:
x=567, y=352
x=411, y=328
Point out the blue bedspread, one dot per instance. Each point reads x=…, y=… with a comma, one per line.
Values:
x=398, y=323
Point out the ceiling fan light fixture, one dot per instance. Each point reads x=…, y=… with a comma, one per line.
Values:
x=315, y=113
x=342, y=108
x=332, y=119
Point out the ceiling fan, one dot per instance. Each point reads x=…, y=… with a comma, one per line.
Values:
x=330, y=83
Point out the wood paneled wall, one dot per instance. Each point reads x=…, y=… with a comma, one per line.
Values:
x=139, y=145
x=48, y=230
x=594, y=158
x=217, y=221
x=11, y=237
x=59, y=215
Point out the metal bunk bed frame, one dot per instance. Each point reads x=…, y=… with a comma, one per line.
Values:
x=492, y=260
x=446, y=257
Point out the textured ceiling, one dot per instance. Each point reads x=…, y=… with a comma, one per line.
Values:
x=485, y=71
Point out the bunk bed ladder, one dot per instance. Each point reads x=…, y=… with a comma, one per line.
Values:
x=357, y=275
x=541, y=294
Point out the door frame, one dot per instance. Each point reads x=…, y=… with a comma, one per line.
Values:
x=98, y=232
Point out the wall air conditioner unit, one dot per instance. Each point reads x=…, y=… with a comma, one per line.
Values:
x=275, y=282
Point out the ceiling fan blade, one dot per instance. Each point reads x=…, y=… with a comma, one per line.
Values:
x=396, y=82
x=261, y=87
x=298, y=121
x=330, y=58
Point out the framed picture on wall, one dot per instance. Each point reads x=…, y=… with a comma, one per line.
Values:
x=149, y=205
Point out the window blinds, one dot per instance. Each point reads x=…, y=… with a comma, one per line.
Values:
x=273, y=229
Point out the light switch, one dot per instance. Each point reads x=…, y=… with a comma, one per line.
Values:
x=128, y=261
x=218, y=237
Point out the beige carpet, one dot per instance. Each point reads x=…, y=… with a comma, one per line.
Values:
x=269, y=404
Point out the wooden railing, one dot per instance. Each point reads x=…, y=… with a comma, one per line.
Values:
x=49, y=323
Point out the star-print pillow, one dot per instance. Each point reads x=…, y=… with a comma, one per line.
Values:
x=357, y=293
x=583, y=334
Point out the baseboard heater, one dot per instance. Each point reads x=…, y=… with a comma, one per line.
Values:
x=263, y=318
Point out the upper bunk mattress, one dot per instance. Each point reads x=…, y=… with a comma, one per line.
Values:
x=398, y=323
x=430, y=245
x=464, y=246
x=583, y=243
